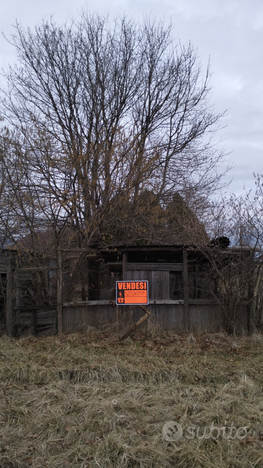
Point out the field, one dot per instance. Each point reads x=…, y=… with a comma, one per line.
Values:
x=89, y=401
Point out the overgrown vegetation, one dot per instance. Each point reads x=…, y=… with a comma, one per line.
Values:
x=104, y=124
x=89, y=401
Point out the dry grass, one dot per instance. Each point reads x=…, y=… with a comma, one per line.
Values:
x=88, y=401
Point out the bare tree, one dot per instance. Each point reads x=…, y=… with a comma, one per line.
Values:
x=103, y=112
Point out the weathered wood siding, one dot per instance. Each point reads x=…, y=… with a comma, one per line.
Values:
x=159, y=282
x=41, y=321
x=169, y=317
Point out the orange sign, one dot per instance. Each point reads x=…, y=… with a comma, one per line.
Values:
x=131, y=292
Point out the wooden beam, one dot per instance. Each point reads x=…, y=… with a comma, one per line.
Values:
x=186, y=292
x=154, y=266
x=43, y=268
x=59, y=294
x=80, y=251
x=137, y=324
x=124, y=265
x=117, y=320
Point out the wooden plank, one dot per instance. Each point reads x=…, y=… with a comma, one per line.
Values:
x=37, y=268
x=166, y=285
x=137, y=275
x=137, y=324
x=9, y=321
x=117, y=320
x=38, y=308
x=59, y=294
x=114, y=264
x=124, y=266
x=157, y=283
x=155, y=266
x=186, y=292
x=79, y=251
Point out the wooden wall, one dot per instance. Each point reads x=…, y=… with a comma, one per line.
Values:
x=158, y=276
x=6, y=268
x=176, y=316
x=169, y=317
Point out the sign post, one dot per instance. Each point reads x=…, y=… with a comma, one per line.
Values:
x=133, y=293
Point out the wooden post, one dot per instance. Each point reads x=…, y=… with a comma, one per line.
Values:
x=17, y=304
x=59, y=294
x=117, y=320
x=83, y=288
x=137, y=324
x=9, y=319
x=187, y=324
x=87, y=279
x=124, y=261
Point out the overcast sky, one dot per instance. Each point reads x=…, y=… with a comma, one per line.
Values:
x=229, y=33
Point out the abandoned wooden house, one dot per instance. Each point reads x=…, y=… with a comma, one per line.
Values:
x=77, y=290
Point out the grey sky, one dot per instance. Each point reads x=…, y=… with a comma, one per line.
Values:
x=229, y=32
